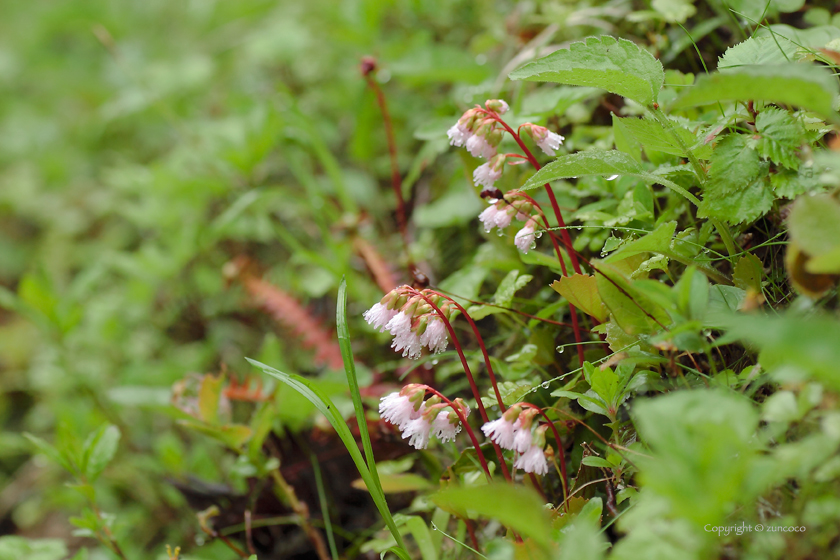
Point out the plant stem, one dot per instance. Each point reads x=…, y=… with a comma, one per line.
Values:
x=560, y=452
x=471, y=433
x=471, y=380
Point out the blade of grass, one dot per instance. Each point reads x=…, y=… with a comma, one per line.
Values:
x=325, y=512
x=350, y=371
x=328, y=409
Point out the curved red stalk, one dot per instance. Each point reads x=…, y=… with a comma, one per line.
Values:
x=481, y=345
x=471, y=380
x=560, y=452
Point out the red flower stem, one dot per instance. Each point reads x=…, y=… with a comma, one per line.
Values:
x=560, y=452
x=473, y=385
x=482, y=346
x=471, y=433
x=396, y=180
x=530, y=156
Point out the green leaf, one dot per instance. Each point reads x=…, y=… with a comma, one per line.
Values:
x=99, y=449
x=674, y=11
x=616, y=65
x=21, y=548
x=517, y=507
x=50, y=451
x=633, y=311
x=705, y=433
x=736, y=190
x=748, y=272
x=512, y=283
x=758, y=51
x=814, y=223
x=232, y=435
x=653, y=136
x=416, y=525
x=803, y=85
x=658, y=241
x=582, y=291
x=208, y=398
x=780, y=137
x=372, y=478
x=592, y=461
x=599, y=162
x=625, y=141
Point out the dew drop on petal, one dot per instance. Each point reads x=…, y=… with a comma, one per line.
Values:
x=612, y=177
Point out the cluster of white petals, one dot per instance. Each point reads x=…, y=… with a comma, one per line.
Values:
x=525, y=239
x=379, y=315
x=547, y=141
x=510, y=432
x=533, y=461
x=435, y=336
x=458, y=134
x=398, y=410
x=478, y=146
x=498, y=215
x=486, y=175
x=418, y=424
x=404, y=326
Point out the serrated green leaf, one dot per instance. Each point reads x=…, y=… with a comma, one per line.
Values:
x=789, y=184
x=99, y=449
x=652, y=136
x=616, y=65
x=803, y=85
x=780, y=136
x=582, y=291
x=737, y=190
x=758, y=50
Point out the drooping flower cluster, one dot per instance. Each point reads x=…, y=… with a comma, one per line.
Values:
x=420, y=419
x=477, y=131
x=501, y=213
x=514, y=431
x=547, y=141
x=412, y=322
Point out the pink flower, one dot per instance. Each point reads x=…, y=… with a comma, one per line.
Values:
x=498, y=105
x=445, y=427
x=405, y=339
x=486, y=175
x=398, y=410
x=458, y=134
x=533, y=461
x=522, y=439
x=434, y=337
x=504, y=216
x=500, y=431
x=547, y=141
x=478, y=146
x=419, y=431
x=379, y=315
x=488, y=217
x=525, y=238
